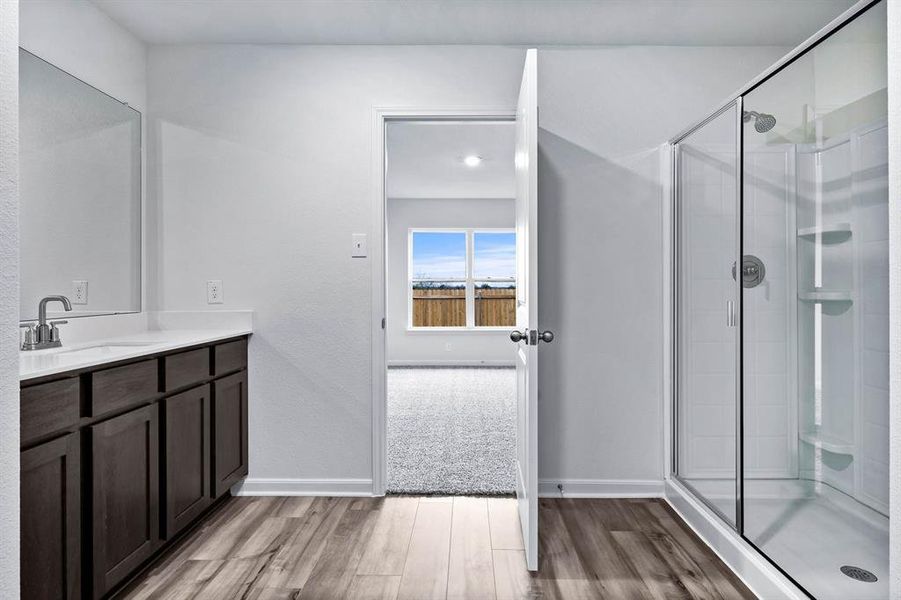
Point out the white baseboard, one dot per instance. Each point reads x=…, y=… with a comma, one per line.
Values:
x=303, y=487
x=753, y=569
x=451, y=363
x=600, y=488
x=547, y=488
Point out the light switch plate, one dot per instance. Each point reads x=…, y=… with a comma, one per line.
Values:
x=359, y=246
x=79, y=291
x=214, y=293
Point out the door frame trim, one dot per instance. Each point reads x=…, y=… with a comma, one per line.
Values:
x=381, y=115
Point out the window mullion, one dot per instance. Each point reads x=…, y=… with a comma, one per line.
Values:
x=470, y=286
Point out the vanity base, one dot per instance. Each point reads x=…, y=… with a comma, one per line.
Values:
x=119, y=459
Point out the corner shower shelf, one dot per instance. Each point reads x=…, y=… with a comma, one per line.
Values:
x=826, y=296
x=827, y=442
x=829, y=234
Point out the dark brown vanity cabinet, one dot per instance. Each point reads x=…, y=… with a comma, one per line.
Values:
x=118, y=459
x=229, y=431
x=187, y=443
x=125, y=510
x=51, y=520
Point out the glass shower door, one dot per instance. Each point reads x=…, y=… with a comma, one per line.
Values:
x=705, y=312
x=815, y=322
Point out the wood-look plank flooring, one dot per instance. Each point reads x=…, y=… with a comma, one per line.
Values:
x=450, y=548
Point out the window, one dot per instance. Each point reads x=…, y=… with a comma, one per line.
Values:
x=462, y=278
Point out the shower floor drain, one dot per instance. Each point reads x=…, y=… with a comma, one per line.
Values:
x=858, y=574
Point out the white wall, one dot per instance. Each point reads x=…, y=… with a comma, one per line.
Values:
x=603, y=114
x=263, y=157
x=411, y=347
x=9, y=300
x=894, y=148
x=82, y=40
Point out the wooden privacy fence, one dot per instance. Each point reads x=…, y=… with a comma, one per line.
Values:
x=495, y=307
x=446, y=307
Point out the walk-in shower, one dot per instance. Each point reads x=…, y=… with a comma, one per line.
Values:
x=781, y=312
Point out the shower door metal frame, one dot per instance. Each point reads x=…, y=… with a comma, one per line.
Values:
x=736, y=104
x=835, y=25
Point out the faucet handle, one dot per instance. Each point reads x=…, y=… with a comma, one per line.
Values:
x=29, y=333
x=54, y=330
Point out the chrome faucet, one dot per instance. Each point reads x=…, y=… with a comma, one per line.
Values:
x=43, y=334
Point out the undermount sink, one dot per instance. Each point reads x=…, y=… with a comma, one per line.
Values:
x=107, y=348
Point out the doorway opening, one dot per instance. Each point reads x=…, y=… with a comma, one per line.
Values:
x=450, y=281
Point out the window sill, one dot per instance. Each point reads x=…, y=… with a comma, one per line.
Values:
x=466, y=330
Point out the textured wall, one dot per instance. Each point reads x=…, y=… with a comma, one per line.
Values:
x=9, y=300
x=263, y=159
x=262, y=172
x=81, y=39
x=603, y=114
x=894, y=124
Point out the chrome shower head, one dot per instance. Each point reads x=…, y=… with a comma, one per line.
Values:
x=762, y=121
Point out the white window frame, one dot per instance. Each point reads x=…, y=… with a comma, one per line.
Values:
x=468, y=281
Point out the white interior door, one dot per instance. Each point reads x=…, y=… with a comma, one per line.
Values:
x=527, y=336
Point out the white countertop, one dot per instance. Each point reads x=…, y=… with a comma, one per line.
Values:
x=40, y=363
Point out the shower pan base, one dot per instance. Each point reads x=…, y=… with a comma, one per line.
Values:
x=812, y=531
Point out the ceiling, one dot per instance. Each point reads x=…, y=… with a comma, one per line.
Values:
x=425, y=159
x=514, y=22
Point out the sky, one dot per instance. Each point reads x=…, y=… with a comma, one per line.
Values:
x=438, y=255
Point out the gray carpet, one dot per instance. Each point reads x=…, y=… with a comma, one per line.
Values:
x=451, y=430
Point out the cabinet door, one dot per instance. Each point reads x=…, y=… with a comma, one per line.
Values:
x=229, y=431
x=50, y=520
x=186, y=435
x=125, y=482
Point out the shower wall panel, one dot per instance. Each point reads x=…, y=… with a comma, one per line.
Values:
x=706, y=332
x=708, y=180
x=870, y=182
x=770, y=406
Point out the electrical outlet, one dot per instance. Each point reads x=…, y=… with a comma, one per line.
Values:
x=448, y=347
x=359, y=247
x=214, y=291
x=80, y=291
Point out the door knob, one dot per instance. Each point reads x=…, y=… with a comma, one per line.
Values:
x=546, y=336
x=518, y=336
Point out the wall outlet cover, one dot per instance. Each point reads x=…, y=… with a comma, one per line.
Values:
x=79, y=291
x=214, y=293
x=359, y=246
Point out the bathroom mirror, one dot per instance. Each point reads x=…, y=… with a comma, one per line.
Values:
x=79, y=194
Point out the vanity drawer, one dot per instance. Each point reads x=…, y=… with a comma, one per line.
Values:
x=48, y=407
x=122, y=386
x=185, y=368
x=230, y=356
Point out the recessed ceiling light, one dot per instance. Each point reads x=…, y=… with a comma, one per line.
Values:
x=472, y=160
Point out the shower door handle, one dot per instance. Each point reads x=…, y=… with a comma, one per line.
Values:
x=730, y=313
